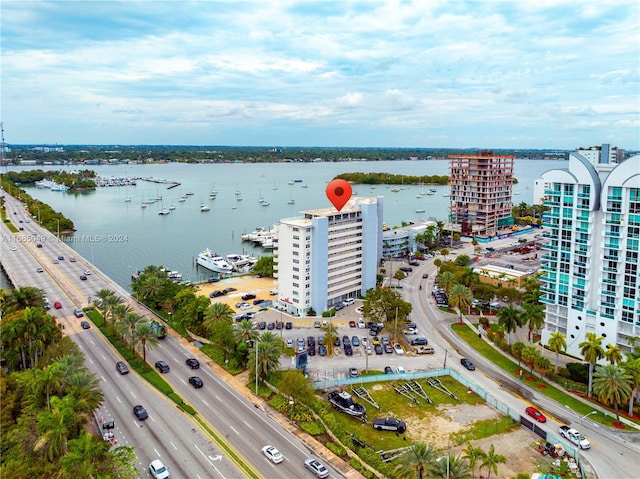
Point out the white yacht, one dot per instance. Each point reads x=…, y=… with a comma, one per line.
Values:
x=214, y=262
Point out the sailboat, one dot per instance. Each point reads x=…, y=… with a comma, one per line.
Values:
x=275, y=187
x=291, y=201
x=203, y=206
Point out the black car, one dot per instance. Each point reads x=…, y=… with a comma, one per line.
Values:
x=322, y=350
x=140, y=412
x=61, y=258
x=192, y=363
x=271, y=326
x=122, y=368
x=388, y=370
x=348, y=350
x=406, y=269
x=216, y=293
x=288, y=325
x=228, y=290
x=39, y=245
x=425, y=275
x=162, y=366
x=262, y=325
x=258, y=301
x=85, y=324
x=279, y=325
x=468, y=364
x=336, y=342
x=248, y=296
x=195, y=381
x=213, y=280
x=378, y=349
x=346, y=341
x=312, y=350
x=311, y=340
x=83, y=277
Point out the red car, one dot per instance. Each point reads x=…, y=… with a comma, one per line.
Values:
x=57, y=305
x=535, y=414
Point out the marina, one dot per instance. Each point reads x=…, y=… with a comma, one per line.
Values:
x=137, y=236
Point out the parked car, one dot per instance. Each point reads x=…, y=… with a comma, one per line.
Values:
x=288, y=325
x=355, y=341
x=248, y=296
x=397, y=348
x=354, y=373
x=468, y=364
x=361, y=324
x=122, y=368
x=378, y=349
x=192, y=363
x=348, y=350
x=216, y=293
x=158, y=470
x=389, y=424
x=322, y=350
x=317, y=468
x=289, y=343
x=272, y=454
x=162, y=366
x=140, y=412
x=406, y=269
x=195, y=381
x=388, y=370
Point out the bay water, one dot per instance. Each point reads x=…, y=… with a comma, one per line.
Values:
x=120, y=237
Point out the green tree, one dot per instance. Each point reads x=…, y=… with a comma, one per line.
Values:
x=330, y=334
x=542, y=365
x=296, y=385
x=450, y=467
x=491, y=460
x=21, y=298
x=268, y=350
x=385, y=304
x=84, y=457
x=473, y=455
x=613, y=354
x=53, y=430
x=245, y=331
x=460, y=297
x=446, y=280
x=264, y=266
x=509, y=319
x=146, y=337
x=218, y=312
x=632, y=367
x=612, y=386
x=557, y=342
x=529, y=356
x=533, y=316
x=49, y=380
x=128, y=325
x=417, y=462
x=591, y=350
x=516, y=350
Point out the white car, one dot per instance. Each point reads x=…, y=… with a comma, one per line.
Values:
x=245, y=306
x=272, y=454
x=87, y=272
x=397, y=347
x=364, y=341
x=361, y=324
x=158, y=470
x=289, y=343
x=369, y=350
x=400, y=370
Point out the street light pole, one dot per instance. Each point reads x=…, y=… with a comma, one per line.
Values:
x=256, y=372
x=58, y=228
x=447, y=457
x=589, y=414
x=39, y=222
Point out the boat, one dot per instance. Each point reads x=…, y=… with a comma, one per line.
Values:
x=290, y=182
x=172, y=207
x=432, y=190
x=127, y=200
x=164, y=211
x=275, y=187
x=238, y=198
x=182, y=198
x=304, y=185
x=342, y=401
x=395, y=189
x=291, y=201
x=204, y=207
x=213, y=262
x=420, y=210
x=240, y=260
x=264, y=203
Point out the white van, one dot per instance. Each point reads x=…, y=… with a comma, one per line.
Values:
x=348, y=301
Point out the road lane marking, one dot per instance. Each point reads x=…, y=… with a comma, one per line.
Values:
x=248, y=425
x=174, y=446
x=234, y=430
x=205, y=402
x=210, y=459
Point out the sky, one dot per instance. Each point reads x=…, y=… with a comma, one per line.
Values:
x=544, y=74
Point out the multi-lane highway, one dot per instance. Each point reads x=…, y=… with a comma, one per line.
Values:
x=169, y=434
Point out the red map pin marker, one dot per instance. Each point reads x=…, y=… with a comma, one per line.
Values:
x=339, y=192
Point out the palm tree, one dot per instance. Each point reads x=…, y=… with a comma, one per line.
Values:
x=473, y=455
x=457, y=468
x=533, y=316
x=53, y=430
x=460, y=297
x=146, y=337
x=108, y=305
x=446, y=280
x=529, y=355
x=119, y=311
x=101, y=296
x=542, y=365
x=491, y=460
x=84, y=456
x=23, y=297
x=557, y=342
x=469, y=277
x=591, y=350
x=509, y=319
x=417, y=462
x=218, y=312
x=533, y=296
x=268, y=350
x=245, y=332
x=612, y=386
x=632, y=367
x=613, y=354
x=49, y=380
x=330, y=335
x=127, y=326
x=437, y=263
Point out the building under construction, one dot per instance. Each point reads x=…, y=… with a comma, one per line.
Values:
x=480, y=197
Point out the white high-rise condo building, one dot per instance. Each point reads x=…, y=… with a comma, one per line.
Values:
x=327, y=256
x=591, y=278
